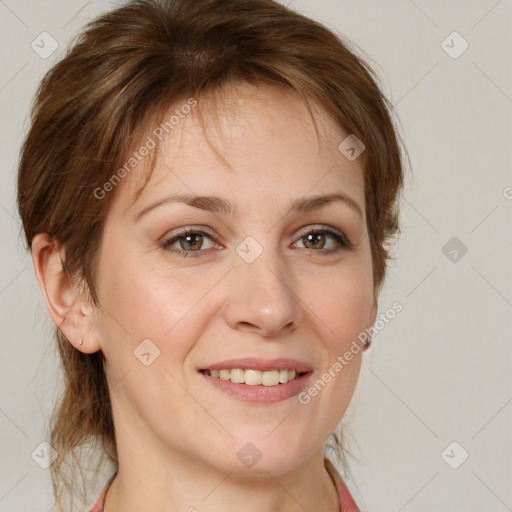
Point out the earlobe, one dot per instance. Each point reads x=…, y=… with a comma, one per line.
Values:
x=371, y=321
x=65, y=303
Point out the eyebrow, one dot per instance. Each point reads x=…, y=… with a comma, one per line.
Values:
x=222, y=207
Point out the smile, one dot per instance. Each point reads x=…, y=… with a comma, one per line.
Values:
x=256, y=386
x=254, y=377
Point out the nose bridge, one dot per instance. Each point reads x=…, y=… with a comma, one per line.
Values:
x=261, y=296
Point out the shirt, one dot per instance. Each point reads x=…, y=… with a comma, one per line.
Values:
x=347, y=504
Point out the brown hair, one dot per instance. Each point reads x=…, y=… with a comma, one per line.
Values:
x=118, y=78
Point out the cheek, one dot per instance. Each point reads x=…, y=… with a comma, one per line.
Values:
x=341, y=301
x=340, y=312
x=144, y=301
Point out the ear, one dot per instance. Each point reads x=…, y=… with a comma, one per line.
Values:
x=68, y=306
x=374, y=309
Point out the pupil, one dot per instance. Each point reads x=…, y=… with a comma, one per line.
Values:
x=192, y=241
x=314, y=238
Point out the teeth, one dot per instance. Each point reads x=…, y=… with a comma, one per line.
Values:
x=254, y=377
x=225, y=374
x=237, y=375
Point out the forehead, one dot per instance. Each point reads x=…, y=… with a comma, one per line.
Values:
x=246, y=142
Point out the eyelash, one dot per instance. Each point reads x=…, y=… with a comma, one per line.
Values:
x=342, y=240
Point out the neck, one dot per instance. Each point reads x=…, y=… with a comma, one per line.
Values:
x=194, y=487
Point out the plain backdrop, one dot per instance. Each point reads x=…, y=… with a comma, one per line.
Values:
x=432, y=413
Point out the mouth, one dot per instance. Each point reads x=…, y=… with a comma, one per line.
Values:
x=257, y=381
x=253, y=377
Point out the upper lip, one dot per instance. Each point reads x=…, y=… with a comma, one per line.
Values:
x=254, y=363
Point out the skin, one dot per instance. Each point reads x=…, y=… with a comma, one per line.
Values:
x=177, y=435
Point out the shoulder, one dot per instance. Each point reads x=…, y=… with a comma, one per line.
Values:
x=88, y=506
x=347, y=503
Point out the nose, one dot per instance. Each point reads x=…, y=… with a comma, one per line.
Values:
x=262, y=299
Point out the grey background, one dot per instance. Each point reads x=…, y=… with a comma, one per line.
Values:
x=437, y=373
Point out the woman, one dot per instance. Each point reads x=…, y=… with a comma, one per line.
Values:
x=206, y=190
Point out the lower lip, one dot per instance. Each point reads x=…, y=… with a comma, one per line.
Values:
x=260, y=394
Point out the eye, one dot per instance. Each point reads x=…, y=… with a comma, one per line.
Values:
x=189, y=241
x=323, y=241
x=192, y=242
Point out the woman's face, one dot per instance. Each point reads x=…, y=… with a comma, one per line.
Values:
x=251, y=280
